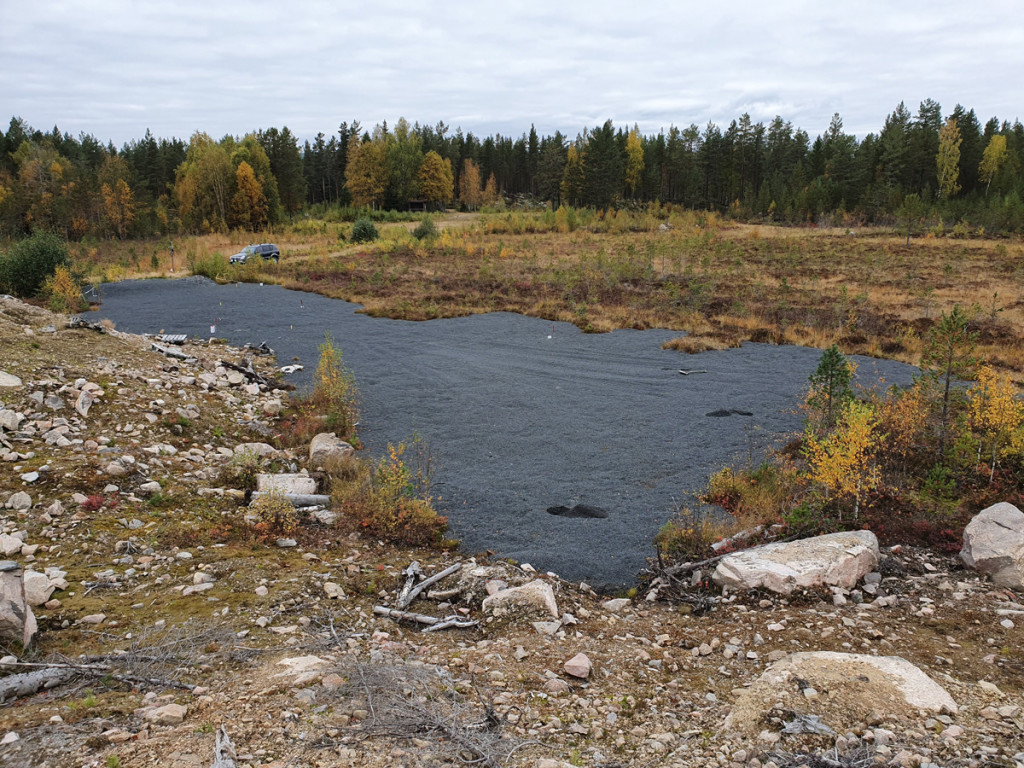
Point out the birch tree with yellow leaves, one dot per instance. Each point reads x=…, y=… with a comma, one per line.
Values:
x=844, y=461
x=995, y=413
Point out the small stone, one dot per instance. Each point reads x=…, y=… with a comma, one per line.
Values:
x=988, y=687
x=578, y=666
x=19, y=501
x=9, y=738
x=149, y=489
x=93, y=618
x=556, y=685
x=952, y=732
x=617, y=605
x=333, y=590
x=169, y=714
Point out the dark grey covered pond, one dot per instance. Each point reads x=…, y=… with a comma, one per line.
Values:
x=522, y=415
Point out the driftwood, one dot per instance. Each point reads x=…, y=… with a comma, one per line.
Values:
x=26, y=683
x=224, y=751
x=177, y=354
x=79, y=322
x=412, y=573
x=433, y=622
x=687, y=373
x=410, y=593
x=246, y=370
x=48, y=676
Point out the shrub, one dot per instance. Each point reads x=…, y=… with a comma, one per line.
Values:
x=63, y=293
x=363, y=231
x=334, y=391
x=759, y=496
x=29, y=262
x=394, y=511
x=214, y=266
x=275, y=515
x=689, y=535
x=425, y=230
x=332, y=406
x=242, y=470
x=346, y=479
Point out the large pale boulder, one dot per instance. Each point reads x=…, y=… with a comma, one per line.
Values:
x=9, y=380
x=16, y=620
x=840, y=688
x=327, y=446
x=994, y=544
x=835, y=559
x=531, y=598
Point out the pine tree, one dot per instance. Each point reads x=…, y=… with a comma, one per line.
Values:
x=829, y=390
x=948, y=356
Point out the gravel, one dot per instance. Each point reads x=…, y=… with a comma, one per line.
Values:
x=522, y=414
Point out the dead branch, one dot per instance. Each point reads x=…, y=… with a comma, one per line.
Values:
x=424, y=702
x=411, y=593
x=412, y=573
x=450, y=622
x=224, y=751
x=434, y=623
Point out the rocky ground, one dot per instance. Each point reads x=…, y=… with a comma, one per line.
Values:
x=181, y=626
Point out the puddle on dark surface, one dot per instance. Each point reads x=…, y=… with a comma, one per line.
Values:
x=522, y=415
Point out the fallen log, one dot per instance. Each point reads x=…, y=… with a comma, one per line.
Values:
x=26, y=683
x=246, y=371
x=79, y=322
x=177, y=354
x=50, y=675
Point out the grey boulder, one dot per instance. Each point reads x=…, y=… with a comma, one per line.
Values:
x=994, y=545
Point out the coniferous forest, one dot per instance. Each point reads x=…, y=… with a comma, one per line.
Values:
x=950, y=170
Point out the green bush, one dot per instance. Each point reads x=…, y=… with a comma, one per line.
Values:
x=29, y=262
x=214, y=266
x=425, y=230
x=363, y=231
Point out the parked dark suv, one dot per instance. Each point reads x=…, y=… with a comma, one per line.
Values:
x=267, y=250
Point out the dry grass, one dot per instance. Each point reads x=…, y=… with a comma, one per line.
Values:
x=869, y=292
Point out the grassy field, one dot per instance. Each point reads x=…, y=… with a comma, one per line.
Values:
x=722, y=283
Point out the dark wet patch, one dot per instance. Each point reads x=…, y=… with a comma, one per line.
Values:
x=580, y=510
x=728, y=412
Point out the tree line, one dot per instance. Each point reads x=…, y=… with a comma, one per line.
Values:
x=917, y=166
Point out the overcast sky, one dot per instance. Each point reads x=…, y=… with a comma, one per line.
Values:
x=113, y=68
